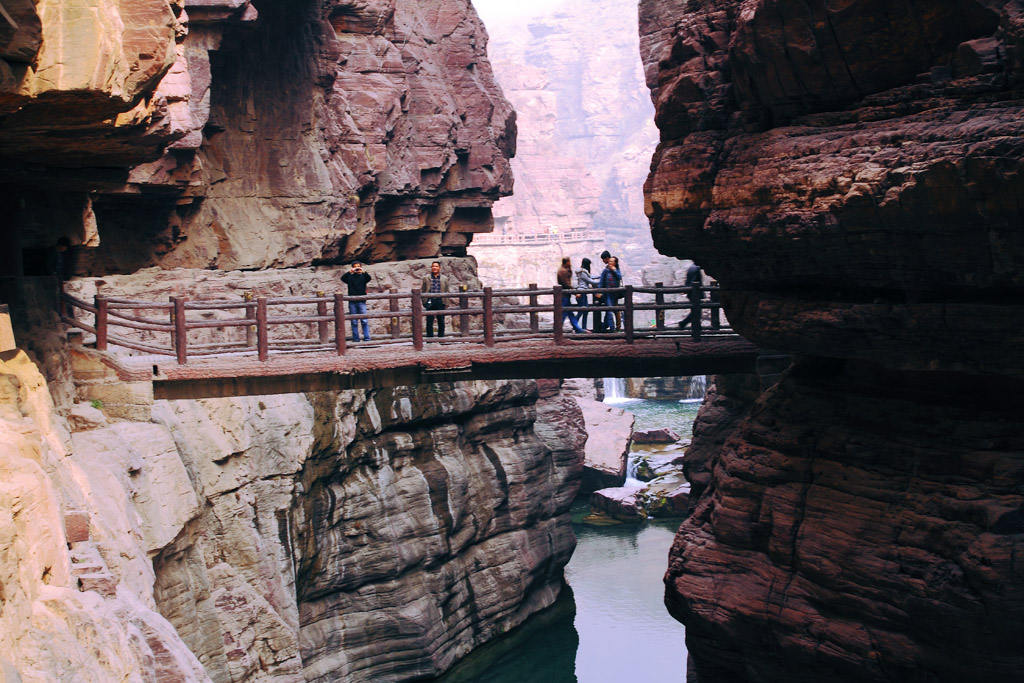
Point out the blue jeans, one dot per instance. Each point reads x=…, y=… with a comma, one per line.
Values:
x=609, y=316
x=566, y=313
x=581, y=317
x=359, y=308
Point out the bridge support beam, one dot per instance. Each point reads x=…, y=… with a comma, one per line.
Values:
x=329, y=372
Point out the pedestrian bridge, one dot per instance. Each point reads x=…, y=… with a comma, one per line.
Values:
x=267, y=345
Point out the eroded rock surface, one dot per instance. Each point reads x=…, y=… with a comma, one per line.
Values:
x=849, y=174
x=234, y=138
x=366, y=536
x=359, y=535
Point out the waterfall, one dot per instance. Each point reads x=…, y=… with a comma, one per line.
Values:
x=615, y=390
x=697, y=389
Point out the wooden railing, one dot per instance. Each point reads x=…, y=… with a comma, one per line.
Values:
x=488, y=239
x=321, y=322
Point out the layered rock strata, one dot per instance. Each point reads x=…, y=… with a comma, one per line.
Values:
x=359, y=535
x=231, y=138
x=376, y=536
x=849, y=175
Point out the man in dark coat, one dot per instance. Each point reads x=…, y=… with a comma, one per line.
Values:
x=694, y=280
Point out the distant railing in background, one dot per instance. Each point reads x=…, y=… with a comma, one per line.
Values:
x=490, y=239
x=324, y=318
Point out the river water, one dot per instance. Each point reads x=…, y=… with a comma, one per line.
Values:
x=610, y=623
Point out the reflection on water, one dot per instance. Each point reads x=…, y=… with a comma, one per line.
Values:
x=611, y=625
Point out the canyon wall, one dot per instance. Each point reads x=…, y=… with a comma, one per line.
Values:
x=217, y=147
x=238, y=135
x=851, y=173
x=377, y=535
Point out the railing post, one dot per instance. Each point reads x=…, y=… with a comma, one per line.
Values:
x=559, y=333
x=101, y=323
x=627, y=315
x=659, y=314
x=180, y=330
x=695, y=310
x=262, y=340
x=396, y=322
x=340, y=338
x=534, y=316
x=417, y=319
x=488, y=317
x=250, y=314
x=716, y=308
x=463, y=317
x=321, y=325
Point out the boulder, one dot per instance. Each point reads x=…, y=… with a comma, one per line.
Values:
x=609, y=431
x=660, y=435
x=625, y=503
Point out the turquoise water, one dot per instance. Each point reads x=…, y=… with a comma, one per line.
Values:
x=655, y=414
x=610, y=623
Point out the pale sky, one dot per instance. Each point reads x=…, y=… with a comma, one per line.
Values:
x=490, y=10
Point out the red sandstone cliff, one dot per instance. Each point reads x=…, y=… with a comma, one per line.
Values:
x=205, y=133
x=851, y=174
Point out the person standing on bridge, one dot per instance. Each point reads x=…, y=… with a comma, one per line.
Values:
x=357, y=280
x=610, y=277
x=565, y=280
x=694, y=280
x=435, y=283
x=584, y=280
x=605, y=258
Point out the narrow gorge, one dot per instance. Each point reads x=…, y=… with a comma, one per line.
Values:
x=848, y=171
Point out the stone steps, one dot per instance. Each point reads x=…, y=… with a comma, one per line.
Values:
x=92, y=572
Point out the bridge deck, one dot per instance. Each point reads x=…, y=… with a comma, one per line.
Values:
x=367, y=367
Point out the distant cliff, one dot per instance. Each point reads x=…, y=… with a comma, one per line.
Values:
x=851, y=173
x=574, y=77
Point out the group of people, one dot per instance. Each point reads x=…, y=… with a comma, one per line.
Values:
x=435, y=284
x=610, y=277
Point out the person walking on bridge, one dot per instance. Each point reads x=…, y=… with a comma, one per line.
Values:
x=564, y=278
x=584, y=280
x=435, y=283
x=694, y=280
x=357, y=279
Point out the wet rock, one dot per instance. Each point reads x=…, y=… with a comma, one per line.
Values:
x=660, y=435
x=624, y=503
x=609, y=431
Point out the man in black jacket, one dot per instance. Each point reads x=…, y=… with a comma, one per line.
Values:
x=356, y=279
x=694, y=280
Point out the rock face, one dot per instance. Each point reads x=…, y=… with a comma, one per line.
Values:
x=849, y=176
x=355, y=535
x=79, y=515
x=299, y=134
x=607, y=448
x=376, y=536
